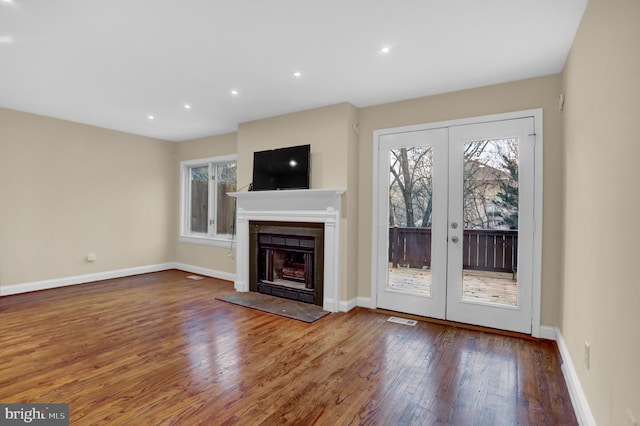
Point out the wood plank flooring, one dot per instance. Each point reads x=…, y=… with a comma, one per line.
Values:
x=158, y=349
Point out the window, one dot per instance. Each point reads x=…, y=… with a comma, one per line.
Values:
x=207, y=213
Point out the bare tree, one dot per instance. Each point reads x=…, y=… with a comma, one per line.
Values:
x=410, y=188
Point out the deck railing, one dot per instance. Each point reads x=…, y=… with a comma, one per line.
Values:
x=486, y=250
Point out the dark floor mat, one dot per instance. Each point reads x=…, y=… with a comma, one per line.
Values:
x=276, y=305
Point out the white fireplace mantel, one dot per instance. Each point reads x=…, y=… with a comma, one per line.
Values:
x=298, y=205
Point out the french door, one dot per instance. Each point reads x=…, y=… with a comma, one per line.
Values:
x=455, y=232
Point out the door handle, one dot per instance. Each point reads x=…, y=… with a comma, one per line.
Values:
x=455, y=239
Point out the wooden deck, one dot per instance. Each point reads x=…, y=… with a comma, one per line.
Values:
x=478, y=286
x=159, y=349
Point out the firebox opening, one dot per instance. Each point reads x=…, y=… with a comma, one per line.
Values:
x=286, y=261
x=288, y=269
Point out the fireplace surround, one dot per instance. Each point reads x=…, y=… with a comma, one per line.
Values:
x=320, y=206
x=286, y=260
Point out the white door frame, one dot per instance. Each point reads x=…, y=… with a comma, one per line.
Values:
x=377, y=235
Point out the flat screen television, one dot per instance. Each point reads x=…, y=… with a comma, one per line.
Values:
x=282, y=168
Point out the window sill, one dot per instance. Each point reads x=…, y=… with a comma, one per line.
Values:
x=227, y=243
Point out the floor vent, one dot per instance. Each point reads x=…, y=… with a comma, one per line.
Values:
x=402, y=321
x=195, y=277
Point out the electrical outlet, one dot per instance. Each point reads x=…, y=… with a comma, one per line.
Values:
x=631, y=419
x=91, y=257
x=587, y=354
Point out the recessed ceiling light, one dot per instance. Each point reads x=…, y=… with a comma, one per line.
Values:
x=234, y=92
x=187, y=106
x=6, y=39
x=297, y=74
x=151, y=117
x=385, y=49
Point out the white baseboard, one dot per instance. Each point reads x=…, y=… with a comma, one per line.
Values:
x=81, y=279
x=205, y=271
x=578, y=398
x=119, y=273
x=365, y=302
x=346, y=306
x=548, y=332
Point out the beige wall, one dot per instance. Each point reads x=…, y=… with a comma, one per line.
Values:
x=329, y=131
x=325, y=129
x=601, y=295
x=516, y=96
x=351, y=204
x=68, y=189
x=217, y=258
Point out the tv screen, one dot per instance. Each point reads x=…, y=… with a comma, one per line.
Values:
x=283, y=168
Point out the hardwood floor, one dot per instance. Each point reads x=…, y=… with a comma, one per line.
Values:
x=160, y=349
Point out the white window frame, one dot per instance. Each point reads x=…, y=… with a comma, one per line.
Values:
x=210, y=238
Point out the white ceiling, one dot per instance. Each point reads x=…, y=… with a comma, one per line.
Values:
x=113, y=63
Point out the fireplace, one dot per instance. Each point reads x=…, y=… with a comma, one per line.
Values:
x=308, y=206
x=286, y=260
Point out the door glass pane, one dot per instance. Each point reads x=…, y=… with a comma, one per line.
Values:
x=199, y=198
x=226, y=182
x=410, y=209
x=490, y=211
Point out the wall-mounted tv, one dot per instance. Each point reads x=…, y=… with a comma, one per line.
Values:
x=282, y=168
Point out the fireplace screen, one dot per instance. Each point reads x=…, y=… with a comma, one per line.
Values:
x=289, y=268
x=287, y=262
